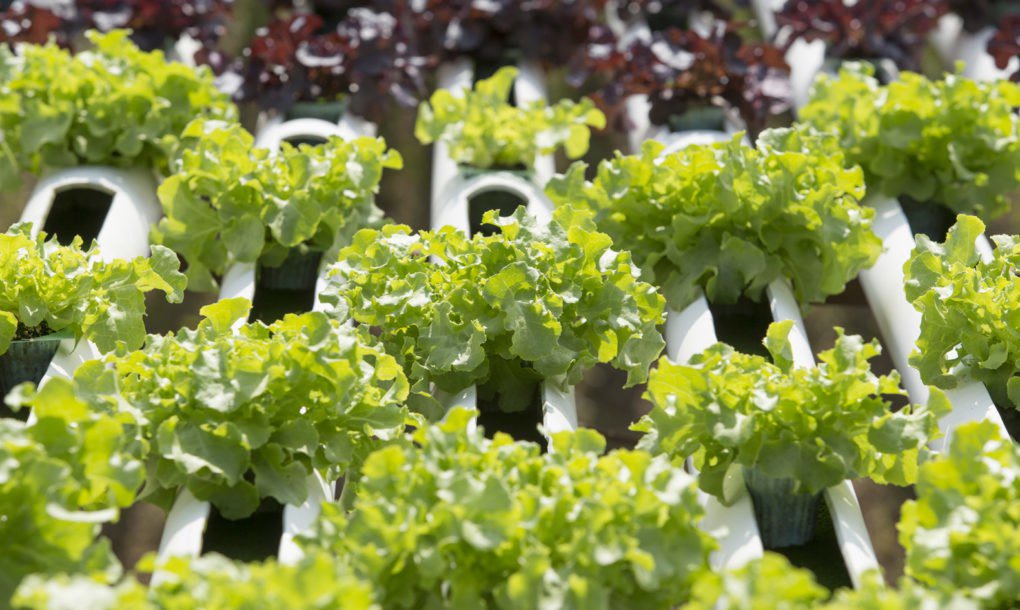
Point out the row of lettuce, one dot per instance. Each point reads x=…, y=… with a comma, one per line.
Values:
x=371, y=54
x=236, y=412
x=483, y=523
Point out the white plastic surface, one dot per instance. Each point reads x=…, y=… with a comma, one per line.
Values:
x=454, y=76
x=851, y=532
x=972, y=50
x=530, y=87
x=898, y=321
x=298, y=520
x=559, y=409
x=971, y=403
x=454, y=206
x=734, y=527
x=276, y=131
x=182, y=533
x=689, y=331
x=133, y=210
x=845, y=511
x=238, y=281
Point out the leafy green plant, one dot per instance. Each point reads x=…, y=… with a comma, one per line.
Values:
x=210, y=582
x=952, y=141
x=728, y=219
x=770, y=583
x=236, y=416
x=61, y=477
x=534, y=301
x=230, y=202
x=969, y=309
x=499, y=524
x=482, y=128
x=766, y=582
x=112, y=105
x=962, y=532
x=818, y=426
x=45, y=287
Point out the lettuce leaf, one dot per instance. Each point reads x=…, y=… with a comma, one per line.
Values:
x=499, y=524
x=74, y=290
x=952, y=141
x=61, y=477
x=210, y=582
x=728, y=219
x=111, y=105
x=483, y=129
x=962, y=532
x=969, y=311
x=534, y=301
x=240, y=416
x=229, y=202
x=818, y=426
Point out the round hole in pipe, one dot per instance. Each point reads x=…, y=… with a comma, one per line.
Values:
x=78, y=210
x=296, y=141
x=506, y=202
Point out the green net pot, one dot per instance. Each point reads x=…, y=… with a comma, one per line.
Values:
x=298, y=271
x=784, y=518
x=26, y=360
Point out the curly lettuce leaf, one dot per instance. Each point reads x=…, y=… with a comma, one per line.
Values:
x=61, y=477
x=228, y=201
x=952, y=141
x=499, y=524
x=236, y=416
x=74, y=290
x=962, y=531
x=970, y=311
x=482, y=129
x=210, y=582
x=728, y=219
x=111, y=105
x=818, y=426
x=534, y=301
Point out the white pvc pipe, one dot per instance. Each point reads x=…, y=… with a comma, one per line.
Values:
x=133, y=210
x=182, y=533
x=559, y=408
x=530, y=87
x=277, y=132
x=883, y=286
x=688, y=332
x=299, y=520
x=972, y=50
x=971, y=403
x=844, y=510
x=456, y=77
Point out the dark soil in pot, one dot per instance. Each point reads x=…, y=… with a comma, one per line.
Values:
x=743, y=324
x=253, y=538
x=928, y=218
x=78, y=211
x=26, y=359
x=502, y=201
